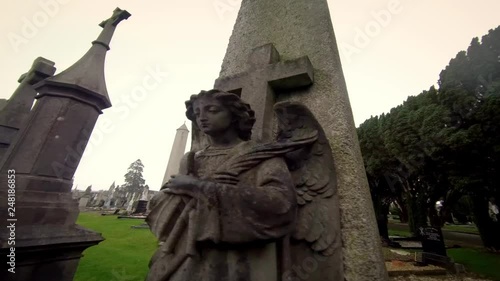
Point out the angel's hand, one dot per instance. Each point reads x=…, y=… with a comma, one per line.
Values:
x=183, y=181
x=182, y=185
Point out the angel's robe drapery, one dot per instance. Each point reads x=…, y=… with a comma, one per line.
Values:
x=228, y=232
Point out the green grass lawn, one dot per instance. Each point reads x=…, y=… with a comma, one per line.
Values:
x=125, y=253
x=123, y=256
x=478, y=261
x=402, y=233
x=462, y=228
x=451, y=227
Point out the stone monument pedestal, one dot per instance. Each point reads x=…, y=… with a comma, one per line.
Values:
x=60, y=249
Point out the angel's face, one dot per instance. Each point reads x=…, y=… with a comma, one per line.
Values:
x=211, y=116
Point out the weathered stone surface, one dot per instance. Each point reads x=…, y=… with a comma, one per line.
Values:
x=300, y=28
x=3, y=102
x=47, y=252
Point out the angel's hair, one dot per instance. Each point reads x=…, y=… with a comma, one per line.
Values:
x=244, y=116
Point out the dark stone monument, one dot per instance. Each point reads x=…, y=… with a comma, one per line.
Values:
x=434, y=249
x=432, y=240
x=3, y=102
x=142, y=207
x=41, y=160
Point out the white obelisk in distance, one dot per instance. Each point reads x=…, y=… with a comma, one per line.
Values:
x=178, y=149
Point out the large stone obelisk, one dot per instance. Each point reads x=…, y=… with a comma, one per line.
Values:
x=268, y=32
x=177, y=152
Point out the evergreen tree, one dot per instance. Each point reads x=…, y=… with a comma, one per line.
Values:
x=134, y=181
x=442, y=143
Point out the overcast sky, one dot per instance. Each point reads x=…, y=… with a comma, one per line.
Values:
x=181, y=44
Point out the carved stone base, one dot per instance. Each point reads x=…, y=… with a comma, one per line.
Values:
x=47, y=252
x=47, y=243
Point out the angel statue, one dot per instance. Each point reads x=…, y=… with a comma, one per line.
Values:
x=240, y=210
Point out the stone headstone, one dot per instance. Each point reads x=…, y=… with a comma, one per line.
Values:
x=141, y=207
x=432, y=240
x=131, y=202
x=83, y=202
x=434, y=249
x=298, y=29
x=111, y=193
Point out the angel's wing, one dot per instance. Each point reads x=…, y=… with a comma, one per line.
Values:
x=313, y=172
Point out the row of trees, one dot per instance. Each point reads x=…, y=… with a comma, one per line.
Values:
x=441, y=143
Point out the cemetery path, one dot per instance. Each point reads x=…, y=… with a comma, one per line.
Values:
x=451, y=237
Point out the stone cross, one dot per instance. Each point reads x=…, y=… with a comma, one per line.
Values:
x=109, y=26
x=265, y=76
x=19, y=105
x=17, y=109
x=116, y=18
